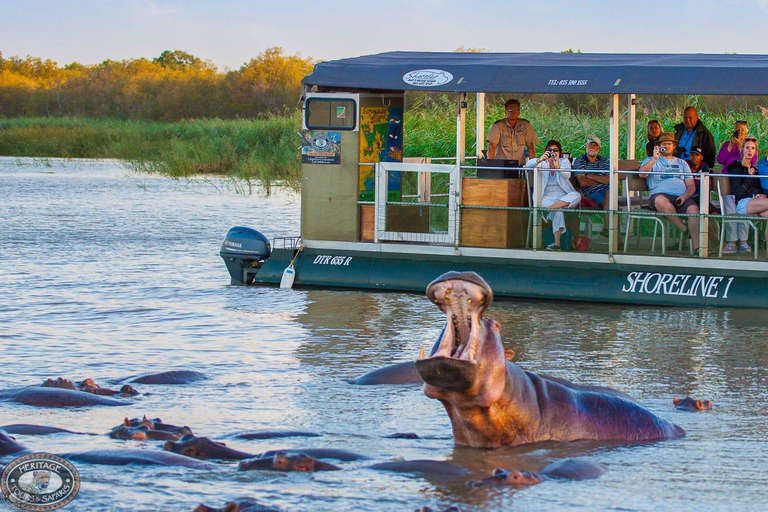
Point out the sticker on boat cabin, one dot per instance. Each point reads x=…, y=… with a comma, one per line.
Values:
x=320, y=147
x=684, y=285
x=327, y=259
x=427, y=77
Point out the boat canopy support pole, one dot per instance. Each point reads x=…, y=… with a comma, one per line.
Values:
x=461, y=128
x=704, y=218
x=631, y=125
x=536, y=220
x=455, y=183
x=614, y=224
x=480, y=125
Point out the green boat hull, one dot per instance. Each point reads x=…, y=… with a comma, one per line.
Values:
x=527, y=278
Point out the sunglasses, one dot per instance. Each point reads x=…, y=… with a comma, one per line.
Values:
x=553, y=150
x=750, y=139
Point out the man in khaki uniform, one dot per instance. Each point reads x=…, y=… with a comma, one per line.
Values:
x=509, y=137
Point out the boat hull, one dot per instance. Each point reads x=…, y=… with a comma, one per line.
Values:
x=528, y=278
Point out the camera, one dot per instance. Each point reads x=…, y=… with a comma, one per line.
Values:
x=551, y=155
x=662, y=150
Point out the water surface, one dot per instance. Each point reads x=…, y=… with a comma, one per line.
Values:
x=108, y=274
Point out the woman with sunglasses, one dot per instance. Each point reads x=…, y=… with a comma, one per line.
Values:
x=750, y=196
x=731, y=151
x=557, y=190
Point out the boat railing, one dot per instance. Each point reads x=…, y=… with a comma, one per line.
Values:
x=435, y=209
x=286, y=242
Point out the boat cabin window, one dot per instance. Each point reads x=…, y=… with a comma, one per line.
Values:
x=330, y=113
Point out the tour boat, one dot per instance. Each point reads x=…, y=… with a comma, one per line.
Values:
x=376, y=220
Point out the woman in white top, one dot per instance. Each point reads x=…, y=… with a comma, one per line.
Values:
x=557, y=190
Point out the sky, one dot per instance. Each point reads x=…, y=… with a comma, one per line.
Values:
x=229, y=33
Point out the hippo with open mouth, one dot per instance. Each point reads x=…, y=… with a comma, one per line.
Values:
x=491, y=402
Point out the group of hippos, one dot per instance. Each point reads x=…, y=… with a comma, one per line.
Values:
x=490, y=401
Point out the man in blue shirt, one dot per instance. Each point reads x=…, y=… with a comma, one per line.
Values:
x=591, y=171
x=672, y=186
x=692, y=132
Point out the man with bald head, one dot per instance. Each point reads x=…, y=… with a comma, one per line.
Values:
x=692, y=133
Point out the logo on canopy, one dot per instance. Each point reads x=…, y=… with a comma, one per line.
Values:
x=427, y=77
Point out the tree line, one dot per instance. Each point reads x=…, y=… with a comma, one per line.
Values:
x=174, y=86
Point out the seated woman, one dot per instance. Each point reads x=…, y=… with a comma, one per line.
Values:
x=730, y=152
x=750, y=196
x=557, y=190
x=652, y=135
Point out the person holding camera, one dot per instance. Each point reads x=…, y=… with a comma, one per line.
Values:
x=736, y=233
x=692, y=132
x=508, y=138
x=671, y=190
x=557, y=190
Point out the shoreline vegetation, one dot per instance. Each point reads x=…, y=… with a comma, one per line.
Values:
x=179, y=116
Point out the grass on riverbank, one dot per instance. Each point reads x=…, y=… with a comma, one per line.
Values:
x=262, y=149
x=267, y=149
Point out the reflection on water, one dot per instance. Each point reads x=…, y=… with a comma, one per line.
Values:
x=106, y=274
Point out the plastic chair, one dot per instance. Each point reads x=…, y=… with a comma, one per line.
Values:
x=634, y=183
x=724, y=189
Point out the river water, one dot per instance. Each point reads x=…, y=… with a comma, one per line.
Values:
x=108, y=274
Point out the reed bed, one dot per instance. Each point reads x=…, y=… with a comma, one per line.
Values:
x=266, y=149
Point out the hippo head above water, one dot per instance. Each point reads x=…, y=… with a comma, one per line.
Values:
x=492, y=402
x=469, y=359
x=514, y=477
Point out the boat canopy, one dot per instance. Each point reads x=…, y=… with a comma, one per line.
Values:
x=558, y=73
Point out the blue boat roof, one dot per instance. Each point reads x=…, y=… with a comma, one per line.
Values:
x=558, y=73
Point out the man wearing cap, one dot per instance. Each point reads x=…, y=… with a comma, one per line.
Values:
x=508, y=138
x=697, y=164
x=671, y=191
x=594, y=185
x=692, y=132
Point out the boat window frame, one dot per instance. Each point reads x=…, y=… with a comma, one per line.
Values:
x=328, y=99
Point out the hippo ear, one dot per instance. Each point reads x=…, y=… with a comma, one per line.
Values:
x=231, y=507
x=127, y=422
x=509, y=354
x=675, y=400
x=189, y=451
x=700, y=405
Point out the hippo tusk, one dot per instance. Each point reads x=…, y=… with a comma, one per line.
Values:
x=423, y=352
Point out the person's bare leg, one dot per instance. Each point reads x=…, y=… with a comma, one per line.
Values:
x=557, y=235
x=693, y=225
x=663, y=205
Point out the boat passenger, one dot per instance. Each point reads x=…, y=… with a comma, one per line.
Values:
x=750, y=196
x=652, y=134
x=557, y=190
x=735, y=232
x=692, y=132
x=671, y=192
x=508, y=138
x=594, y=185
x=697, y=164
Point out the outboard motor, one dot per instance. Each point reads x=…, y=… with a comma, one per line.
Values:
x=242, y=249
